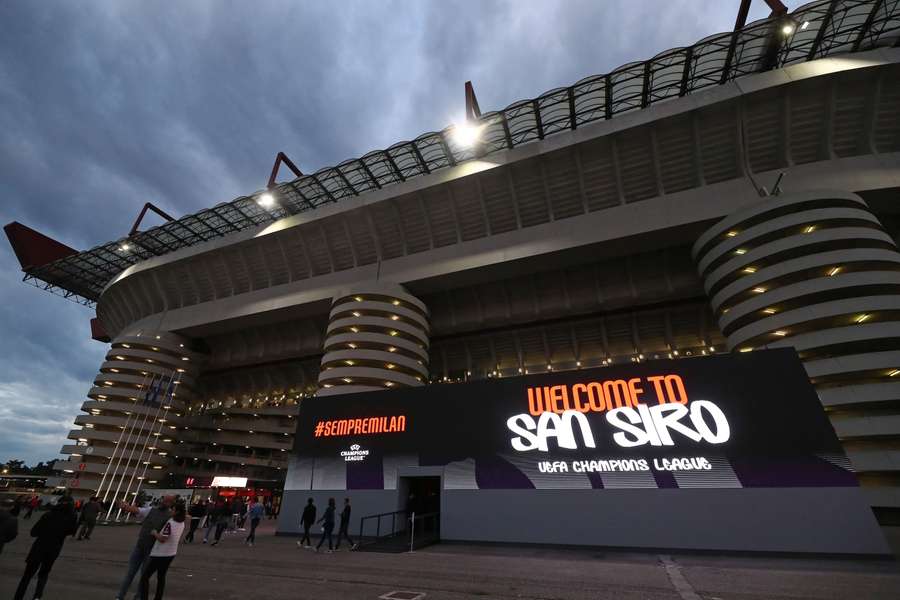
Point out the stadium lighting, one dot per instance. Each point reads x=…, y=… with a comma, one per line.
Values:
x=124, y=248
x=266, y=200
x=787, y=29
x=467, y=134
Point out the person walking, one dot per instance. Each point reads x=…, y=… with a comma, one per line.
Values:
x=327, y=521
x=163, y=553
x=89, y=513
x=223, y=518
x=9, y=524
x=197, y=512
x=152, y=519
x=50, y=532
x=307, y=519
x=344, y=526
x=33, y=503
x=255, y=513
x=210, y=519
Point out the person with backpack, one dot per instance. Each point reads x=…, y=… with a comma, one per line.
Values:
x=307, y=519
x=345, y=525
x=163, y=553
x=327, y=521
x=50, y=532
x=255, y=513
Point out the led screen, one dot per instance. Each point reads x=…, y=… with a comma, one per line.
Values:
x=726, y=421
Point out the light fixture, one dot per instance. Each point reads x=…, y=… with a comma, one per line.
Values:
x=267, y=200
x=675, y=352
x=834, y=271
x=863, y=317
x=712, y=348
x=466, y=134
x=394, y=333
x=392, y=349
x=347, y=380
x=351, y=346
x=894, y=373
x=809, y=229
x=358, y=298
x=758, y=290
x=395, y=318
x=805, y=25
x=396, y=303
x=740, y=251
x=356, y=314
x=750, y=270
x=354, y=329
x=731, y=233
x=780, y=333
x=389, y=383
x=392, y=366
x=349, y=362
x=769, y=311
x=577, y=363
x=184, y=358
x=124, y=248
x=787, y=29
x=747, y=349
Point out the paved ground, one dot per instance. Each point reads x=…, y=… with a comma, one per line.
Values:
x=276, y=569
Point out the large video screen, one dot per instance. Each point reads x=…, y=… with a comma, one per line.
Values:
x=725, y=421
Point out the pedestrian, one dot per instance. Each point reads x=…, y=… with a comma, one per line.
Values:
x=33, y=503
x=197, y=512
x=50, y=532
x=255, y=513
x=163, y=553
x=223, y=518
x=89, y=514
x=9, y=524
x=307, y=519
x=153, y=519
x=244, y=509
x=327, y=521
x=344, y=526
x=212, y=509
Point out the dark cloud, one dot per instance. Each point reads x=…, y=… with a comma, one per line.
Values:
x=106, y=105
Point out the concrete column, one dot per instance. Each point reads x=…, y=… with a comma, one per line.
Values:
x=816, y=271
x=377, y=338
x=116, y=420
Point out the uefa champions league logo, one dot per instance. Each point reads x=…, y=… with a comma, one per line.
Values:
x=354, y=454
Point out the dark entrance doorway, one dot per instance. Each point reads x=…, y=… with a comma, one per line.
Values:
x=420, y=495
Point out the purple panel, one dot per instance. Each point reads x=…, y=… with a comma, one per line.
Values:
x=492, y=472
x=367, y=474
x=776, y=471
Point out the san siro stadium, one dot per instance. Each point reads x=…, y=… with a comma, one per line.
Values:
x=737, y=195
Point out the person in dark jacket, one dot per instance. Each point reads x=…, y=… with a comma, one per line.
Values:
x=327, y=522
x=9, y=524
x=89, y=514
x=197, y=512
x=307, y=519
x=50, y=532
x=345, y=525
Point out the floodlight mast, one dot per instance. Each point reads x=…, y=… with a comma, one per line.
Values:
x=778, y=10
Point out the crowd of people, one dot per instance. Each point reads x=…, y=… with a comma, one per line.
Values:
x=163, y=524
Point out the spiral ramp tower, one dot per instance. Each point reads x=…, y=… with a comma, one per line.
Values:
x=816, y=271
x=119, y=429
x=377, y=338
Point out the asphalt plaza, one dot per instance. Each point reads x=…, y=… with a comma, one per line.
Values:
x=275, y=568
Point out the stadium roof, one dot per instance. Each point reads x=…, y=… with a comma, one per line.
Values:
x=815, y=30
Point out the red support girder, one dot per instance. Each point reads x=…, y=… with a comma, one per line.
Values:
x=281, y=157
x=34, y=249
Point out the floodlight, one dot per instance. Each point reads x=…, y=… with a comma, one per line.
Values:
x=266, y=200
x=467, y=134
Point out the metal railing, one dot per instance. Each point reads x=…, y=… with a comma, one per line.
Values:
x=413, y=530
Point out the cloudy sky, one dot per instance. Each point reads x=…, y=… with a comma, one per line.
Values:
x=105, y=105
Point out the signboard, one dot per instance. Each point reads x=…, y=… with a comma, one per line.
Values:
x=220, y=481
x=727, y=421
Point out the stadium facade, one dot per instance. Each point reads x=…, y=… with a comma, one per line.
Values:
x=615, y=221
